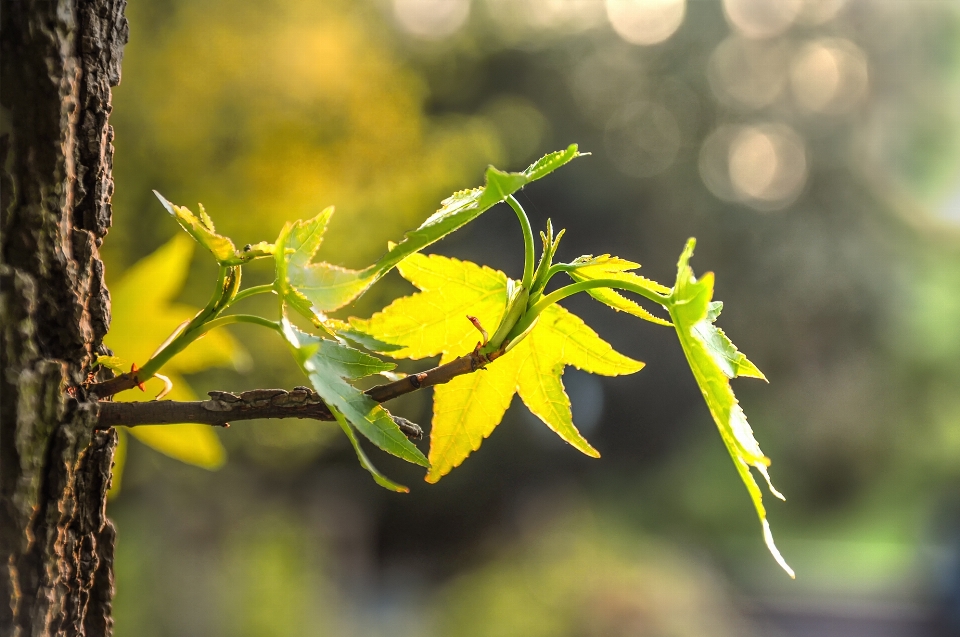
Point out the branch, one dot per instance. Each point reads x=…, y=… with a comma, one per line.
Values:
x=225, y=407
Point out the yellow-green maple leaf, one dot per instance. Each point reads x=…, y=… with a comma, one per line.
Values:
x=143, y=316
x=467, y=409
x=714, y=361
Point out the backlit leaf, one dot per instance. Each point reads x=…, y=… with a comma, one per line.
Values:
x=202, y=230
x=467, y=409
x=714, y=361
x=607, y=267
x=329, y=364
x=329, y=287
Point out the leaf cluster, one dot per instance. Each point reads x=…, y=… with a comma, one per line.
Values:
x=514, y=330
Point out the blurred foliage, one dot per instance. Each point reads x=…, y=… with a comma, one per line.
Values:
x=582, y=575
x=144, y=314
x=295, y=105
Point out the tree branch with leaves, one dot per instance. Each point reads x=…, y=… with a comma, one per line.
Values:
x=495, y=336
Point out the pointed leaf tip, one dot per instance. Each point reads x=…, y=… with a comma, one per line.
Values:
x=166, y=204
x=768, y=539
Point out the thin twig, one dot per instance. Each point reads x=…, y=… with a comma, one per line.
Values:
x=302, y=402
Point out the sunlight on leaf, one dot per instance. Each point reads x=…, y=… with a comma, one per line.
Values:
x=467, y=409
x=202, y=231
x=714, y=361
x=329, y=287
x=607, y=267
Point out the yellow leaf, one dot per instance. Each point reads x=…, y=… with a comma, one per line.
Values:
x=194, y=444
x=144, y=315
x=467, y=409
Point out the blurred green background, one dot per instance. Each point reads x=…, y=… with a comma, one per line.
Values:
x=812, y=147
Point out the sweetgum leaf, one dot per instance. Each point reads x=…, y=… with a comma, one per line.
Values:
x=329, y=364
x=296, y=245
x=468, y=408
x=329, y=287
x=607, y=267
x=144, y=314
x=201, y=229
x=714, y=361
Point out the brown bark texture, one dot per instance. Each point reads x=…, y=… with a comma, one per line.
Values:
x=59, y=62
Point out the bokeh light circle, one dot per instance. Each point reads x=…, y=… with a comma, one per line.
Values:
x=762, y=18
x=431, y=19
x=829, y=76
x=646, y=22
x=763, y=166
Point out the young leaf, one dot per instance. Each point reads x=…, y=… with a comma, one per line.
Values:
x=201, y=229
x=114, y=363
x=329, y=287
x=329, y=364
x=296, y=245
x=144, y=314
x=467, y=409
x=607, y=267
x=714, y=361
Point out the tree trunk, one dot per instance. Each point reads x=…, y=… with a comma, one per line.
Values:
x=59, y=60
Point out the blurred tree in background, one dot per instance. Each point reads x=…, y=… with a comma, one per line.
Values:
x=813, y=147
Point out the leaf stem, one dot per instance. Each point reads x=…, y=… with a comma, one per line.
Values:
x=189, y=335
x=252, y=291
x=529, y=255
x=185, y=338
x=582, y=286
x=574, y=288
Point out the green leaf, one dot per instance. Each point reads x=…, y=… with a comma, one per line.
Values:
x=299, y=241
x=114, y=363
x=143, y=315
x=329, y=287
x=378, y=477
x=607, y=267
x=347, y=331
x=329, y=364
x=468, y=408
x=202, y=231
x=714, y=361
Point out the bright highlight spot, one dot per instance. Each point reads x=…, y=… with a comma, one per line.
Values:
x=762, y=18
x=646, y=21
x=753, y=163
x=431, y=19
x=829, y=76
x=764, y=167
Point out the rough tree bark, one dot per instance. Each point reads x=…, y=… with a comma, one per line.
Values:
x=59, y=60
